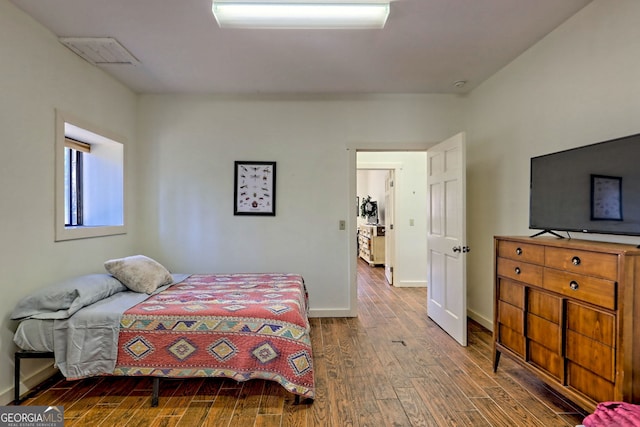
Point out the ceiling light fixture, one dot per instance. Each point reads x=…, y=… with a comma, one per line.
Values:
x=300, y=15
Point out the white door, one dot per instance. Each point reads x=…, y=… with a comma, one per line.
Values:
x=446, y=237
x=389, y=236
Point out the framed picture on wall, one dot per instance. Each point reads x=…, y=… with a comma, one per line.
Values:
x=254, y=188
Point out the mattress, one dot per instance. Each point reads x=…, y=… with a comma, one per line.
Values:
x=35, y=335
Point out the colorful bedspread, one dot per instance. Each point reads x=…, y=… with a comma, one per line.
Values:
x=239, y=326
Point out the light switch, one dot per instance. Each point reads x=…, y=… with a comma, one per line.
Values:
x=411, y=222
x=342, y=224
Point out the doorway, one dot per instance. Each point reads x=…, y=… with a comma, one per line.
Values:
x=451, y=152
x=375, y=232
x=401, y=214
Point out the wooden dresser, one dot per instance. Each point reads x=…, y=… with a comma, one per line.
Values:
x=567, y=310
x=371, y=243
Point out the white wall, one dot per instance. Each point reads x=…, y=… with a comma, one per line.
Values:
x=411, y=204
x=38, y=75
x=189, y=144
x=575, y=87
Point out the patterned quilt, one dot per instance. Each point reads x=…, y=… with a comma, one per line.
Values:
x=239, y=326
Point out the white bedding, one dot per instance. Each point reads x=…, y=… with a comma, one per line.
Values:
x=85, y=344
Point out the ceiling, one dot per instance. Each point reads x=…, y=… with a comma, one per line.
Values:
x=426, y=46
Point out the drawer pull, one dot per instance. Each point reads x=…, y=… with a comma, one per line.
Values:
x=574, y=285
x=576, y=260
x=517, y=270
x=518, y=251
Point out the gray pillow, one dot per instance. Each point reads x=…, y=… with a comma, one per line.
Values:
x=61, y=300
x=139, y=273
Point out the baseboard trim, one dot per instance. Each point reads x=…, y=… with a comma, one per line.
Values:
x=487, y=323
x=29, y=383
x=333, y=313
x=411, y=284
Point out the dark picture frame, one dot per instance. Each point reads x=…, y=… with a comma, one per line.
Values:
x=606, y=198
x=254, y=188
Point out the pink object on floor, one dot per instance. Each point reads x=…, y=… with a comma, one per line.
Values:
x=610, y=414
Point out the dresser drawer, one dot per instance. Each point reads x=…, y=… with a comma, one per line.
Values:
x=544, y=332
x=511, y=339
x=511, y=316
x=511, y=292
x=585, y=381
x=544, y=305
x=521, y=251
x=594, y=324
x=520, y=271
x=592, y=355
x=584, y=288
x=582, y=262
x=545, y=359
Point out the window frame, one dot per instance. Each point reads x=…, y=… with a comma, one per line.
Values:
x=62, y=231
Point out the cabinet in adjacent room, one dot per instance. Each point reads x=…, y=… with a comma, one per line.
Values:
x=565, y=309
x=371, y=243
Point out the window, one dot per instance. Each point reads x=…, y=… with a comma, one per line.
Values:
x=73, y=181
x=89, y=181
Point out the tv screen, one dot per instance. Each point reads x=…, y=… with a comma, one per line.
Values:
x=591, y=189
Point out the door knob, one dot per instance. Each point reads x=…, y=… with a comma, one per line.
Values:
x=457, y=249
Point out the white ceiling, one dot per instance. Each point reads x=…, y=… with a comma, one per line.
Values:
x=425, y=47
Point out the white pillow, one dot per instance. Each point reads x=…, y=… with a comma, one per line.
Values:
x=139, y=273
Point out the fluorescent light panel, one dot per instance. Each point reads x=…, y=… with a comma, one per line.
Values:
x=300, y=15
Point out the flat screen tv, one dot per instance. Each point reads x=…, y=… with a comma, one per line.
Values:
x=590, y=189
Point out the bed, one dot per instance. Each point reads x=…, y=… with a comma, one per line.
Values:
x=238, y=326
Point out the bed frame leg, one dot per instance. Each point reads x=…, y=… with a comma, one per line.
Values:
x=17, y=358
x=297, y=400
x=16, y=379
x=156, y=390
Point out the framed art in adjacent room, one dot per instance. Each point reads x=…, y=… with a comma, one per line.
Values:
x=254, y=188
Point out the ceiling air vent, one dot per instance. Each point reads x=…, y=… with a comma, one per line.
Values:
x=100, y=50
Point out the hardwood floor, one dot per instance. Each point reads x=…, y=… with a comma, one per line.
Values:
x=390, y=366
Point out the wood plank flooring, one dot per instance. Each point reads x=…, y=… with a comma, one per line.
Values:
x=390, y=366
